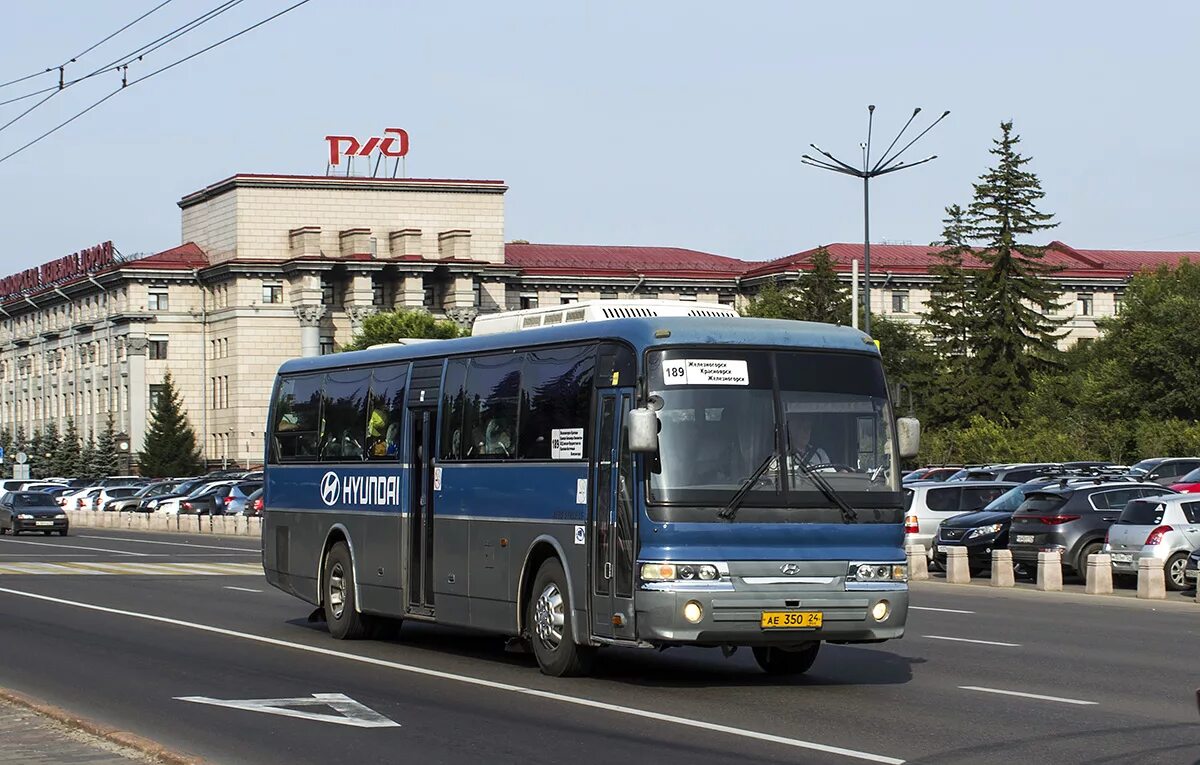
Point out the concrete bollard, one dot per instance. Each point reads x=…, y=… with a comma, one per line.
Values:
x=218, y=524
x=1099, y=574
x=1152, y=584
x=1049, y=571
x=1002, y=569
x=255, y=527
x=958, y=571
x=918, y=564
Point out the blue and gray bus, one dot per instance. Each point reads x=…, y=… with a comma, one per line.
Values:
x=647, y=482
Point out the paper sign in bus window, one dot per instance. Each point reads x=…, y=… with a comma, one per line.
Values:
x=566, y=444
x=706, y=372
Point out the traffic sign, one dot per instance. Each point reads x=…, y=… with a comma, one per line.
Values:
x=21, y=458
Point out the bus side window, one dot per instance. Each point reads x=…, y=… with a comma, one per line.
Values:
x=297, y=427
x=344, y=415
x=556, y=394
x=452, y=409
x=490, y=406
x=385, y=412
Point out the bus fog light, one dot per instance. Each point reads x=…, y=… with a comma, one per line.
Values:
x=693, y=612
x=880, y=610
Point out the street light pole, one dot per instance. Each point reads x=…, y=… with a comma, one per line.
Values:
x=888, y=163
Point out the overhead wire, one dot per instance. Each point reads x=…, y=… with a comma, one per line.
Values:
x=145, y=77
x=123, y=61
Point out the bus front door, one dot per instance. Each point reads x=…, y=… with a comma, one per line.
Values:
x=419, y=528
x=613, y=520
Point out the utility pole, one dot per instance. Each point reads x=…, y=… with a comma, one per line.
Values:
x=888, y=163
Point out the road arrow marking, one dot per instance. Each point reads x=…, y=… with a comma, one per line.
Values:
x=350, y=711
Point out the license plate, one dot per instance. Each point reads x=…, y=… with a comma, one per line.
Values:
x=1024, y=539
x=1122, y=557
x=43, y=523
x=790, y=620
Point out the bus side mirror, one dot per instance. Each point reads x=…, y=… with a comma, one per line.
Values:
x=642, y=426
x=908, y=436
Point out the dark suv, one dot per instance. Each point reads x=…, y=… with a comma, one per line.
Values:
x=1072, y=518
x=1163, y=470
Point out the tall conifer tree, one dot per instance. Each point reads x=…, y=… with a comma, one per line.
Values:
x=1015, y=334
x=820, y=295
x=170, y=445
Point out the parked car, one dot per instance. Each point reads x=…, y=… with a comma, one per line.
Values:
x=1188, y=483
x=928, y=504
x=173, y=504
x=83, y=499
x=122, y=480
x=983, y=530
x=254, y=504
x=1166, y=528
x=1071, y=517
x=31, y=511
x=171, y=499
x=57, y=491
x=931, y=473
x=111, y=494
x=1192, y=569
x=208, y=501
x=133, y=502
x=1014, y=473
x=1163, y=470
x=239, y=494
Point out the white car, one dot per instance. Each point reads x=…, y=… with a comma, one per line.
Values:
x=170, y=505
x=83, y=499
x=928, y=504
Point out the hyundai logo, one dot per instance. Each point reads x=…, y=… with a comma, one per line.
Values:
x=330, y=484
x=791, y=569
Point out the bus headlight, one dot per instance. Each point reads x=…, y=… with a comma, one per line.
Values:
x=680, y=572
x=877, y=572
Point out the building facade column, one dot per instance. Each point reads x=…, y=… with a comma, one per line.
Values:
x=310, y=328
x=411, y=293
x=135, y=352
x=360, y=300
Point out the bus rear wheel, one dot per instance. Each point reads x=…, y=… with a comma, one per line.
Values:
x=341, y=610
x=548, y=620
x=778, y=661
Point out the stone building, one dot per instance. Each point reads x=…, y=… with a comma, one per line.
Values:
x=275, y=266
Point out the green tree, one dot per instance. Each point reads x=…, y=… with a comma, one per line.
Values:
x=20, y=443
x=820, y=295
x=910, y=365
x=170, y=444
x=52, y=451
x=774, y=302
x=69, y=449
x=87, y=458
x=1015, y=334
x=399, y=324
x=949, y=313
x=106, y=460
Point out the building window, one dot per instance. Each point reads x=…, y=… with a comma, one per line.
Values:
x=157, y=300
x=376, y=292
x=477, y=290
x=1117, y=301
x=326, y=292
x=899, y=301
x=726, y=298
x=155, y=392
x=529, y=301
x=1085, y=304
x=272, y=294
x=569, y=297
x=326, y=346
x=157, y=350
x=427, y=296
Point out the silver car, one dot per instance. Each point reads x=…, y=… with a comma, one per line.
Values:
x=1166, y=528
x=928, y=504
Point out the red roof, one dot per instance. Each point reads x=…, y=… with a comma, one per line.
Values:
x=584, y=260
x=917, y=259
x=182, y=258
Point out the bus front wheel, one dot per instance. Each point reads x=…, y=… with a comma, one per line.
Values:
x=777, y=661
x=341, y=610
x=548, y=620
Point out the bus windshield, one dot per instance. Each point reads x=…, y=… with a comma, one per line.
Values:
x=724, y=412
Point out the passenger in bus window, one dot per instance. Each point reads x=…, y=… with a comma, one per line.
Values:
x=800, y=427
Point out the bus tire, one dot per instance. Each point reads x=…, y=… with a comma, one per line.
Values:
x=548, y=616
x=778, y=661
x=337, y=584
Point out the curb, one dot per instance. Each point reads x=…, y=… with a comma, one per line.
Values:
x=145, y=746
x=1115, y=601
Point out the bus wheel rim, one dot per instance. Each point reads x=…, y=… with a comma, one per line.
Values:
x=549, y=617
x=337, y=590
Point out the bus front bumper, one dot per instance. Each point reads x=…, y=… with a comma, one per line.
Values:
x=730, y=617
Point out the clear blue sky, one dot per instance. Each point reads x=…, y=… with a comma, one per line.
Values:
x=647, y=123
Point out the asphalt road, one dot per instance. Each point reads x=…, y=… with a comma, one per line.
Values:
x=124, y=628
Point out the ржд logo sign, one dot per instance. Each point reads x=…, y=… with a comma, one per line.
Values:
x=394, y=145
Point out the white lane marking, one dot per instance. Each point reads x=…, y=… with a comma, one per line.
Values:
x=517, y=689
x=940, y=610
x=65, y=546
x=350, y=711
x=1037, y=696
x=173, y=544
x=164, y=568
x=241, y=589
x=968, y=640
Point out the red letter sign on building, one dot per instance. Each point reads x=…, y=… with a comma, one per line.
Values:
x=387, y=145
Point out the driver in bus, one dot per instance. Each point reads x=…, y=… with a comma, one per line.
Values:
x=803, y=449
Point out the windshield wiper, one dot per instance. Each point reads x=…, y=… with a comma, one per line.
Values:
x=729, y=512
x=849, y=514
